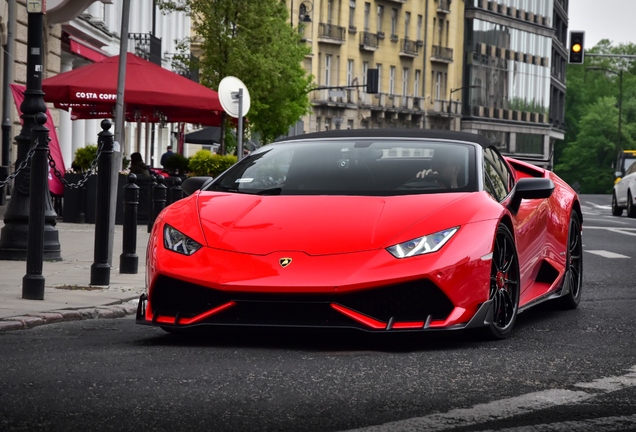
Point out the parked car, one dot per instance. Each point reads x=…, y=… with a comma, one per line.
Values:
x=382, y=231
x=624, y=195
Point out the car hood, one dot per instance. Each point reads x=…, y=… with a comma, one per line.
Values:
x=319, y=225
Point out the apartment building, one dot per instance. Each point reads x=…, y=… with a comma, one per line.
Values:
x=416, y=46
x=514, y=74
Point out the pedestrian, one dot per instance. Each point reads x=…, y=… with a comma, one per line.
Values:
x=166, y=156
x=137, y=165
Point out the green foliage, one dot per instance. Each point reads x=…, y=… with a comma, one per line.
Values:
x=84, y=157
x=592, y=116
x=253, y=41
x=206, y=163
x=177, y=164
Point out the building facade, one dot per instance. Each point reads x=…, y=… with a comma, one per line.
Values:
x=514, y=74
x=77, y=33
x=495, y=67
x=416, y=46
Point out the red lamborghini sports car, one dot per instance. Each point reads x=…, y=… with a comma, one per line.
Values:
x=377, y=230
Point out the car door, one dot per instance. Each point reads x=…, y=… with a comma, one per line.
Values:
x=529, y=222
x=624, y=185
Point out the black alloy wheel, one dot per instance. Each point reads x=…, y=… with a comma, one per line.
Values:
x=504, y=285
x=616, y=210
x=574, y=265
x=631, y=209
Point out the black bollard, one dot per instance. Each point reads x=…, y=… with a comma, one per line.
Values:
x=100, y=270
x=150, y=202
x=128, y=260
x=159, y=194
x=175, y=193
x=33, y=281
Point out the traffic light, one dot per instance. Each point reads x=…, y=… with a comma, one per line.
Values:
x=577, y=47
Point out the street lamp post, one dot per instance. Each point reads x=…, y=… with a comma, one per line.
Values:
x=14, y=234
x=619, y=73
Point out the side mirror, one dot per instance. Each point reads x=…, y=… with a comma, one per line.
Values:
x=193, y=184
x=530, y=188
x=618, y=174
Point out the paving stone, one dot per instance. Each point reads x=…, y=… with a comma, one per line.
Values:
x=48, y=317
x=28, y=321
x=69, y=315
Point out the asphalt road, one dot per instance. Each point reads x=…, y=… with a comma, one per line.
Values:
x=573, y=370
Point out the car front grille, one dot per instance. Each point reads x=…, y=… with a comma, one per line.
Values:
x=416, y=300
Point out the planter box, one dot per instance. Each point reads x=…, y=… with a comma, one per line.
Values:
x=80, y=204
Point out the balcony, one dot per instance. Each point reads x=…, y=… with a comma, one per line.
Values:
x=368, y=41
x=146, y=46
x=397, y=1
x=329, y=33
x=442, y=54
x=443, y=6
x=408, y=48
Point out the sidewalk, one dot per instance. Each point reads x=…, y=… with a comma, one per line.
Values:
x=67, y=293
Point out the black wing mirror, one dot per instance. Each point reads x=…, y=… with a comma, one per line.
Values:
x=193, y=184
x=530, y=188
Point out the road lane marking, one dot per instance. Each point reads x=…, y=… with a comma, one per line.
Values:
x=606, y=254
x=602, y=424
x=626, y=231
x=513, y=407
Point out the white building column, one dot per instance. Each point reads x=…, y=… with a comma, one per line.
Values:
x=65, y=127
x=91, y=129
x=78, y=135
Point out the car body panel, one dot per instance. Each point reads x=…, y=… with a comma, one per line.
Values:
x=300, y=251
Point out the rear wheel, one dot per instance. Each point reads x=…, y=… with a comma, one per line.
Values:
x=574, y=263
x=504, y=285
x=616, y=210
x=631, y=208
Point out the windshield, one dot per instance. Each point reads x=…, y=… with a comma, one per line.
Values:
x=353, y=167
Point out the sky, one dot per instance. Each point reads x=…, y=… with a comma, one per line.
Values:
x=603, y=19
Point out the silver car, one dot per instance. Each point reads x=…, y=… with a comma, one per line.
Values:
x=625, y=193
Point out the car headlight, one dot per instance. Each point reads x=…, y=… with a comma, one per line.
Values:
x=422, y=245
x=178, y=242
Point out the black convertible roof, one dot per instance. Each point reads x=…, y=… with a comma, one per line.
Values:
x=395, y=133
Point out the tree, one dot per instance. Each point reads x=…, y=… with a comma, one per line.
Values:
x=588, y=160
x=591, y=118
x=253, y=41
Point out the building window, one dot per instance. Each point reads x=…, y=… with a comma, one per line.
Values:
x=392, y=80
x=367, y=13
x=352, y=13
x=327, y=123
x=329, y=10
x=365, y=68
x=405, y=82
x=394, y=14
x=379, y=66
x=327, y=69
x=349, y=124
x=407, y=22
x=317, y=124
x=380, y=17
x=416, y=84
x=349, y=72
x=419, y=28
x=438, y=85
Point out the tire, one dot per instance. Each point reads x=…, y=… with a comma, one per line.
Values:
x=504, y=285
x=574, y=266
x=616, y=210
x=631, y=209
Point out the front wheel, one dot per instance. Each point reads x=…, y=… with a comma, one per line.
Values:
x=504, y=285
x=574, y=266
x=616, y=210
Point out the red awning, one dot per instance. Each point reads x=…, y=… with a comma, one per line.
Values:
x=151, y=93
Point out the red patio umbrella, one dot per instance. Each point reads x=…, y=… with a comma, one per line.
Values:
x=151, y=93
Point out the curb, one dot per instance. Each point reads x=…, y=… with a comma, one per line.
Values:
x=24, y=322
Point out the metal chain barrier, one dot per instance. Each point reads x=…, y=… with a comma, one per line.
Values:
x=23, y=165
x=84, y=179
